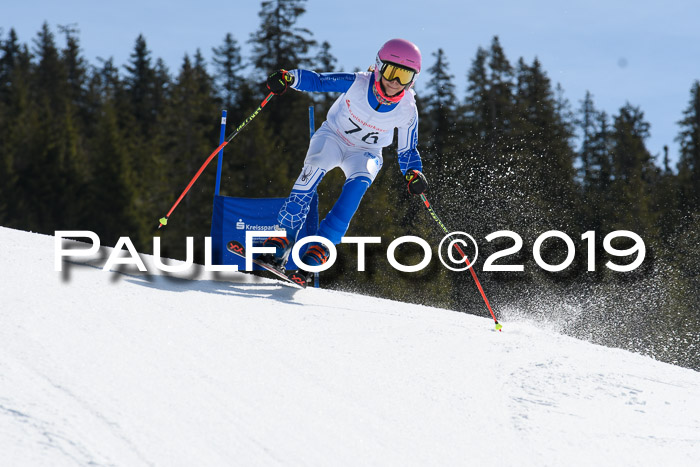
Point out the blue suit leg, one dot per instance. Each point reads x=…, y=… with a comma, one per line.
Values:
x=336, y=223
x=295, y=209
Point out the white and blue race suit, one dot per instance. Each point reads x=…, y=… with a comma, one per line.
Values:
x=356, y=129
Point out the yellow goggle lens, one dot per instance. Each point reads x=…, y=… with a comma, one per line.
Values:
x=391, y=72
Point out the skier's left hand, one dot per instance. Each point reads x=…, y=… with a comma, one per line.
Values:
x=417, y=182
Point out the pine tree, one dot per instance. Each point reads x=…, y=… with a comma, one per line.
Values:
x=79, y=108
x=161, y=91
x=9, y=61
x=118, y=205
x=109, y=85
x=666, y=202
x=438, y=128
x=76, y=70
x=14, y=110
x=501, y=89
x=477, y=108
x=141, y=89
x=228, y=65
x=192, y=130
x=489, y=112
x=141, y=108
x=596, y=166
x=489, y=100
x=689, y=161
x=112, y=190
x=102, y=85
x=601, y=164
x=50, y=75
x=681, y=220
x=55, y=182
x=586, y=123
x=441, y=109
x=280, y=43
x=634, y=173
x=543, y=158
x=18, y=139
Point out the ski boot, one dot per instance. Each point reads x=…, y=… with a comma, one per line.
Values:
x=283, y=247
x=316, y=255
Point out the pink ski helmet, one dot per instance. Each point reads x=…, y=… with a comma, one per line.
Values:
x=399, y=52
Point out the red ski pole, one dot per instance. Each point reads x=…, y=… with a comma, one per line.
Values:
x=459, y=250
x=164, y=220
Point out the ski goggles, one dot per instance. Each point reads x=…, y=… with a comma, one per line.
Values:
x=391, y=72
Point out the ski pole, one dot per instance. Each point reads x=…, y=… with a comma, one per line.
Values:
x=164, y=220
x=435, y=217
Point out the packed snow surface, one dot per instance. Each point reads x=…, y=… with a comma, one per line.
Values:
x=126, y=368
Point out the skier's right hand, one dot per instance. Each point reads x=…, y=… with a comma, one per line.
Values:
x=279, y=81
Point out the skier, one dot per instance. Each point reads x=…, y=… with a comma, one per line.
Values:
x=359, y=124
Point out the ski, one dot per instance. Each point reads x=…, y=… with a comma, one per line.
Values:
x=296, y=279
x=300, y=277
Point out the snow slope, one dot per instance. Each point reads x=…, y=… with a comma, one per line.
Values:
x=122, y=368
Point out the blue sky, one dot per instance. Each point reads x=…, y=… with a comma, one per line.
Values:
x=619, y=50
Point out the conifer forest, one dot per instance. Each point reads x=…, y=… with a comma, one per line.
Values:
x=108, y=147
